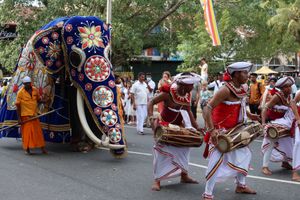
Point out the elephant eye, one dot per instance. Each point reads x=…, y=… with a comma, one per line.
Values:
x=75, y=59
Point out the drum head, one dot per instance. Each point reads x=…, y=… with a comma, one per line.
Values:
x=245, y=137
x=272, y=132
x=223, y=144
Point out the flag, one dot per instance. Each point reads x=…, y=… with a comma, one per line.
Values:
x=210, y=21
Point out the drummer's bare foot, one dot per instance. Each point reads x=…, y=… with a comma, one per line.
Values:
x=155, y=186
x=185, y=178
x=287, y=166
x=266, y=171
x=244, y=190
x=207, y=197
x=295, y=176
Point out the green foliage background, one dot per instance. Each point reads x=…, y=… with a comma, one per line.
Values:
x=274, y=26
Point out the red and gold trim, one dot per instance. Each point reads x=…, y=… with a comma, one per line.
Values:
x=285, y=100
x=238, y=92
x=239, y=169
x=214, y=169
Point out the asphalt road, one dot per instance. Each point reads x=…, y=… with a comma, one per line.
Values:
x=66, y=175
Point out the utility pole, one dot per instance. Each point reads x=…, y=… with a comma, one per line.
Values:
x=108, y=11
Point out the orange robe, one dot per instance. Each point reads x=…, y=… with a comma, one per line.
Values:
x=32, y=135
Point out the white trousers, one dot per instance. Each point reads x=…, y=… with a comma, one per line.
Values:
x=141, y=114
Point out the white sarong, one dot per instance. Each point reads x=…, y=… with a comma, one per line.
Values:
x=170, y=161
x=281, y=150
x=296, y=150
x=234, y=164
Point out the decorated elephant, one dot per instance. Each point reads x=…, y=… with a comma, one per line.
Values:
x=67, y=59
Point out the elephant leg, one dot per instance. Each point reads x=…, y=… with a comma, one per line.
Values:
x=79, y=141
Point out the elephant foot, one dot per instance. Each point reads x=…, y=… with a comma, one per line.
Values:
x=83, y=147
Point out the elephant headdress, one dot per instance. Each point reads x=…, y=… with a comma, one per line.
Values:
x=70, y=54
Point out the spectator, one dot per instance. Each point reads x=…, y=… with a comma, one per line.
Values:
x=205, y=95
x=139, y=92
x=217, y=84
x=195, y=98
x=204, y=69
x=256, y=92
x=151, y=84
x=164, y=81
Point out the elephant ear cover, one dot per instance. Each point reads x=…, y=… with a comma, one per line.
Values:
x=48, y=48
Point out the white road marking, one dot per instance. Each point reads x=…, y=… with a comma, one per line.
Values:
x=205, y=167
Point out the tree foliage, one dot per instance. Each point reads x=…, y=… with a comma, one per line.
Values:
x=133, y=23
x=245, y=34
x=249, y=29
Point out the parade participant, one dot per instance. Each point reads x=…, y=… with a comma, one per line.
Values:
x=226, y=110
x=27, y=102
x=296, y=148
x=278, y=111
x=171, y=161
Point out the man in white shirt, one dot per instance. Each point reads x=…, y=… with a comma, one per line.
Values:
x=139, y=94
x=217, y=84
x=151, y=85
x=204, y=69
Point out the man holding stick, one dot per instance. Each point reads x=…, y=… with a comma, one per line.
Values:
x=27, y=102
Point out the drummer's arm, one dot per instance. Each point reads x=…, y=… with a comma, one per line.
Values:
x=274, y=100
x=294, y=106
x=160, y=97
x=193, y=121
x=218, y=98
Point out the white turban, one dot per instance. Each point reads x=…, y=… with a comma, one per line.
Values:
x=26, y=79
x=239, y=66
x=187, y=78
x=284, y=82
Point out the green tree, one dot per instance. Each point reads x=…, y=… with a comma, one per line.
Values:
x=244, y=32
x=133, y=23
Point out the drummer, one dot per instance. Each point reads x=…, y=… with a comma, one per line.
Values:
x=171, y=161
x=226, y=110
x=279, y=112
x=296, y=148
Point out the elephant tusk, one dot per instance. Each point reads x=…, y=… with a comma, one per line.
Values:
x=87, y=129
x=116, y=146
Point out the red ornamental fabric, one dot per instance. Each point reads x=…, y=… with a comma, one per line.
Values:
x=226, y=116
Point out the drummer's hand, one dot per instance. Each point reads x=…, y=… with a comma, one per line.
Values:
x=200, y=130
x=255, y=117
x=152, y=120
x=20, y=121
x=213, y=136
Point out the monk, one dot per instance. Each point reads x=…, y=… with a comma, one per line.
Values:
x=27, y=103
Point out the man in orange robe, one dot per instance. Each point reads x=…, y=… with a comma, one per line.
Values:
x=27, y=102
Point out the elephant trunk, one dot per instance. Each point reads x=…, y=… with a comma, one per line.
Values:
x=87, y=129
